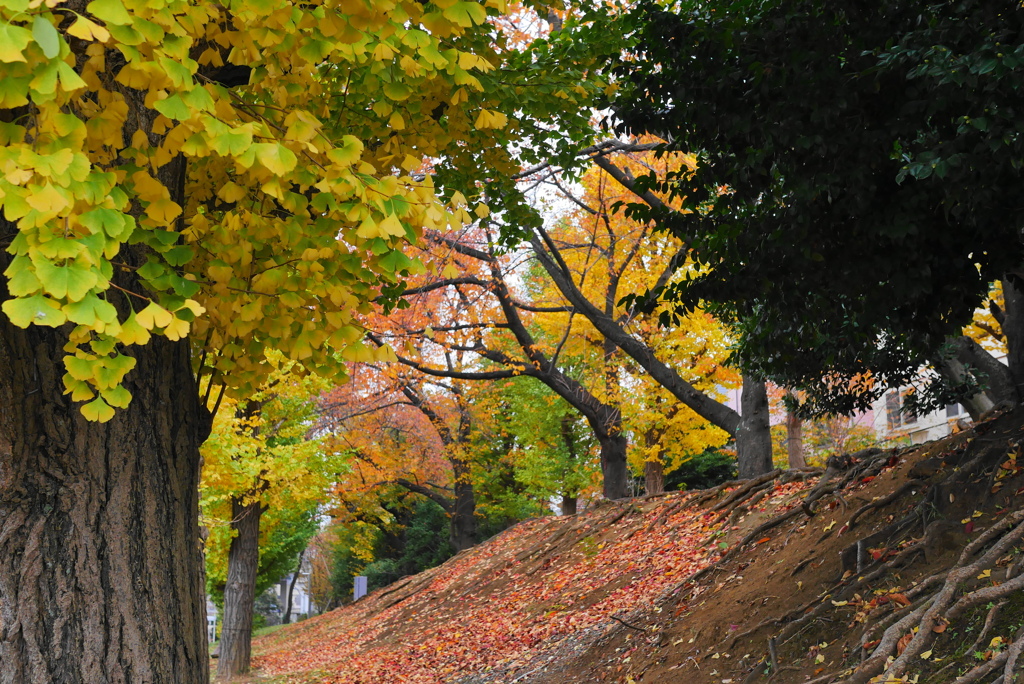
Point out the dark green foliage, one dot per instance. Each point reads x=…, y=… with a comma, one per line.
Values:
x=265, y=608
x=859, y=175
x=709, y=469
x=417, y=540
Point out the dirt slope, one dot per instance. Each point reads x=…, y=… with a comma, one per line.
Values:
x=784, y=579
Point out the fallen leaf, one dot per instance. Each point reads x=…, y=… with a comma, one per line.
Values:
x=900, y=599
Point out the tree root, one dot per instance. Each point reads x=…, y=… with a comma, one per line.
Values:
x=944, y=605
x=885, y=501
x=938, y=599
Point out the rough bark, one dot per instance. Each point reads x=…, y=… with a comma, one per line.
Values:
x=287, y=616
x=240, y=589
x=614, y=469
x=463, y=516
x=1013, y=330
x=999, y=384
x=795, y=440
x=569, y=439
x=569, y=502
x=753, y=437
x=101, y=575
x=654, y=477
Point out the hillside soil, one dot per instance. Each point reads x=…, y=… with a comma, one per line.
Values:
x=902, y=565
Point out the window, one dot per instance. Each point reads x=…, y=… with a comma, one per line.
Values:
x=892, y=410
x=954, y=410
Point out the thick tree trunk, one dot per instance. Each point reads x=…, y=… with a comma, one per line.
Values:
x=463, y=520
x=614, y=468
x=753, y=437
x=569, y=502
x=999, y=383
x=794, y=440
x=569, y=439
x=101, y=576
x=240, y=589
x=654, y=477
x=287, y=616
x=1013, y=330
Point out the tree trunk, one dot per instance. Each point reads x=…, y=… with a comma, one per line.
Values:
x=569, y=502
x=1013, y=330
x=463, y=515
x=287, y=617
x=794, y=439
x=569, y=439
x=614, y=468
x=101, y=575
x=654, y=477
x=753, y=437
x=240, y=589
x=999, y=384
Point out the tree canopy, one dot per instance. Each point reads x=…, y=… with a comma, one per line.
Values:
x=855, y=221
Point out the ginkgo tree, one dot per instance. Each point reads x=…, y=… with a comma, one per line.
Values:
x=261, y=464
x=186, y=185
x=609, y=257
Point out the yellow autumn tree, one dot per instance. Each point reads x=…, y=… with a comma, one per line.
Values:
x=610, y=256
x=186, y=186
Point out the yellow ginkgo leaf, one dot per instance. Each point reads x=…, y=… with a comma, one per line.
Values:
x=154, y=316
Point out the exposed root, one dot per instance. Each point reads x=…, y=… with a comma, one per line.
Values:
x=885, y=501
x=908, y=627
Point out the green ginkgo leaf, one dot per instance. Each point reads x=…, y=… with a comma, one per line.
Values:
x=46, y=36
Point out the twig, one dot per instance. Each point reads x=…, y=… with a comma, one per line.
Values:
x=626, y=624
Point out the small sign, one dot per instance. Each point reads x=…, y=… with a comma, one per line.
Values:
x=360, y=588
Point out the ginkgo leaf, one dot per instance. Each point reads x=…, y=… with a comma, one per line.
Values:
x=90, y=310
x=163, y=210
x=71, y=280
x=13, y=41
x=36, y=309
x=48, y=199
x=391, y=226
x=154, y=316
x=133, y=333
x=466, y=14
x=117, y=396
x=177, y=329
x=276, y=158
x=78, y=389
x=46, y=36
x=490, y=119
x=173, y=107
x=97, y=411
x=110, y=11
x=88, y=30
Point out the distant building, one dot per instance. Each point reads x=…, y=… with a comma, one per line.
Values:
x=892, y=422
x=302, y=602
x=211, y=621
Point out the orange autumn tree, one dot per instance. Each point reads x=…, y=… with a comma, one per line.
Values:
x=475, y=307
x=401, y=429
